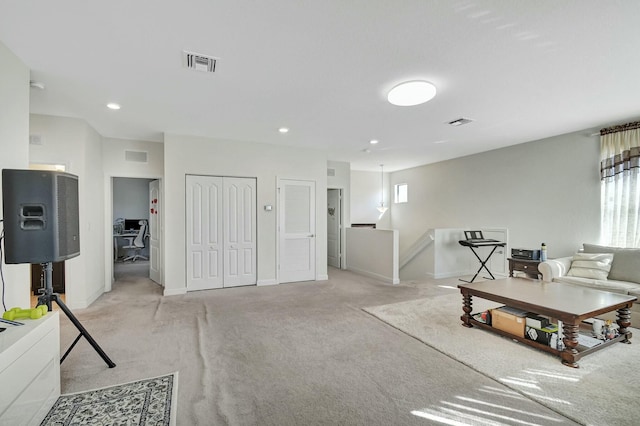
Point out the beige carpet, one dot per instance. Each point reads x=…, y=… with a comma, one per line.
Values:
x=286, y=355
x=603, y=391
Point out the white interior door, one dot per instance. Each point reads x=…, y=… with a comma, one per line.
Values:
x=155, y=237
x=334, y=225
x=239, y=208
x=204, y=232
x=297, y=229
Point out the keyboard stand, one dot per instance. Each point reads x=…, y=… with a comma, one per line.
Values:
x=483, y=263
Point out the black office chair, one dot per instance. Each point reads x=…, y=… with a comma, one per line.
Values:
x=136, y=244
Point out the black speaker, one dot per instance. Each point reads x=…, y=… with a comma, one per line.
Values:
x=41, y=213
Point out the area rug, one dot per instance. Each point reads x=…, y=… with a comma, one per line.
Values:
x=603, y=391
x=143, y=402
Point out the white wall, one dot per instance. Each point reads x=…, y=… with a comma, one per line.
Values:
x=131, y=198
x=342, y=180
x=365, y=197
x=374, y=253
x=72, y=142
x=267, y=163
x=542, y=191
x=14, y=154
x=115, y=165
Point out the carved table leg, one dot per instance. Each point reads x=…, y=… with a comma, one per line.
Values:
x=624, y=321
x=570, y=342
x=466, y=307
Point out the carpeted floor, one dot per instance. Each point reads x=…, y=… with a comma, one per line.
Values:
x=293, y=354
x=600, y=392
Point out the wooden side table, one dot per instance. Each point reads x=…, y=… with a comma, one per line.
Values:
x=529, y=267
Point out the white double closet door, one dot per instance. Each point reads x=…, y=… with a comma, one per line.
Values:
x=221, y=232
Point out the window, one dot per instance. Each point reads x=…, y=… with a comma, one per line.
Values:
x=400, y=193
x=620, y=177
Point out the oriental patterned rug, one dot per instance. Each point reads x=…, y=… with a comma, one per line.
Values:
x=143, y=402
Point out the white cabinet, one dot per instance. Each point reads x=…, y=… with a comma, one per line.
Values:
x=29, y=370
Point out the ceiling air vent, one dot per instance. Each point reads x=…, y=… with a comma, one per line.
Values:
x=135, y=156
x=198, y=62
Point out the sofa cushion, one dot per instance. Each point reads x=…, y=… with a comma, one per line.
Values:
x=612, y=286
x=626, y=262
x=591, y=265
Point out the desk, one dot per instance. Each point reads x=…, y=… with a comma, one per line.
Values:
x=483, y=263
x=115, y=241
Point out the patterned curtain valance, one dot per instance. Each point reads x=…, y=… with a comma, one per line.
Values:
x=620, y=128
x=620, y=149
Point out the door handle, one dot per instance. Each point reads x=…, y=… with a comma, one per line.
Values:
x=310, y=235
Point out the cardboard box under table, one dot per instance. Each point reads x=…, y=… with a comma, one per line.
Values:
x=509, y=319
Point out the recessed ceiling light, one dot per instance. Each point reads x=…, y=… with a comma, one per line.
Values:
x=374, y=141
x=283, y=130
x=411, y=93
x=113, y=106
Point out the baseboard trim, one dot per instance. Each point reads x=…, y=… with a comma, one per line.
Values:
x=174, y=291
x=267, y=282
x=324, y=277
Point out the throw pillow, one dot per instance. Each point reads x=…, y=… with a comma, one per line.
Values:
x=626, y=262
x=591, y=265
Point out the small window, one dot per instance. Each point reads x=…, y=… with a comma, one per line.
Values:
x=400, y=193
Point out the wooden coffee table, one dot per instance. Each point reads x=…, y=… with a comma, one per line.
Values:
x=564, y=302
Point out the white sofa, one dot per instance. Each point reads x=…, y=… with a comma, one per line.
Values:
x=623, y=277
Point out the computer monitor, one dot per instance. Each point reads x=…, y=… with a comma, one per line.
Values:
x=132, y=224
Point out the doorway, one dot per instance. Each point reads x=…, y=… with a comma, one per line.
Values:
x=131, y=227
x=334, y=228
x=297, y=230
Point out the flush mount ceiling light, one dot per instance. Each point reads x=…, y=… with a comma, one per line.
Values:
x=283, y=130
x=373, y=141
x=411, y=93
x=112, y=105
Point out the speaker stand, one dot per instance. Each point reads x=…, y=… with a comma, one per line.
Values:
x=48, y=296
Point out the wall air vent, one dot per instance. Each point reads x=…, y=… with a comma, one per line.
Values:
x=331, y=172
x=198, y=62
x=460, y=121
x=136, y=156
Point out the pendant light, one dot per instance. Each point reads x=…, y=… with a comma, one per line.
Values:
x=381, y=208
